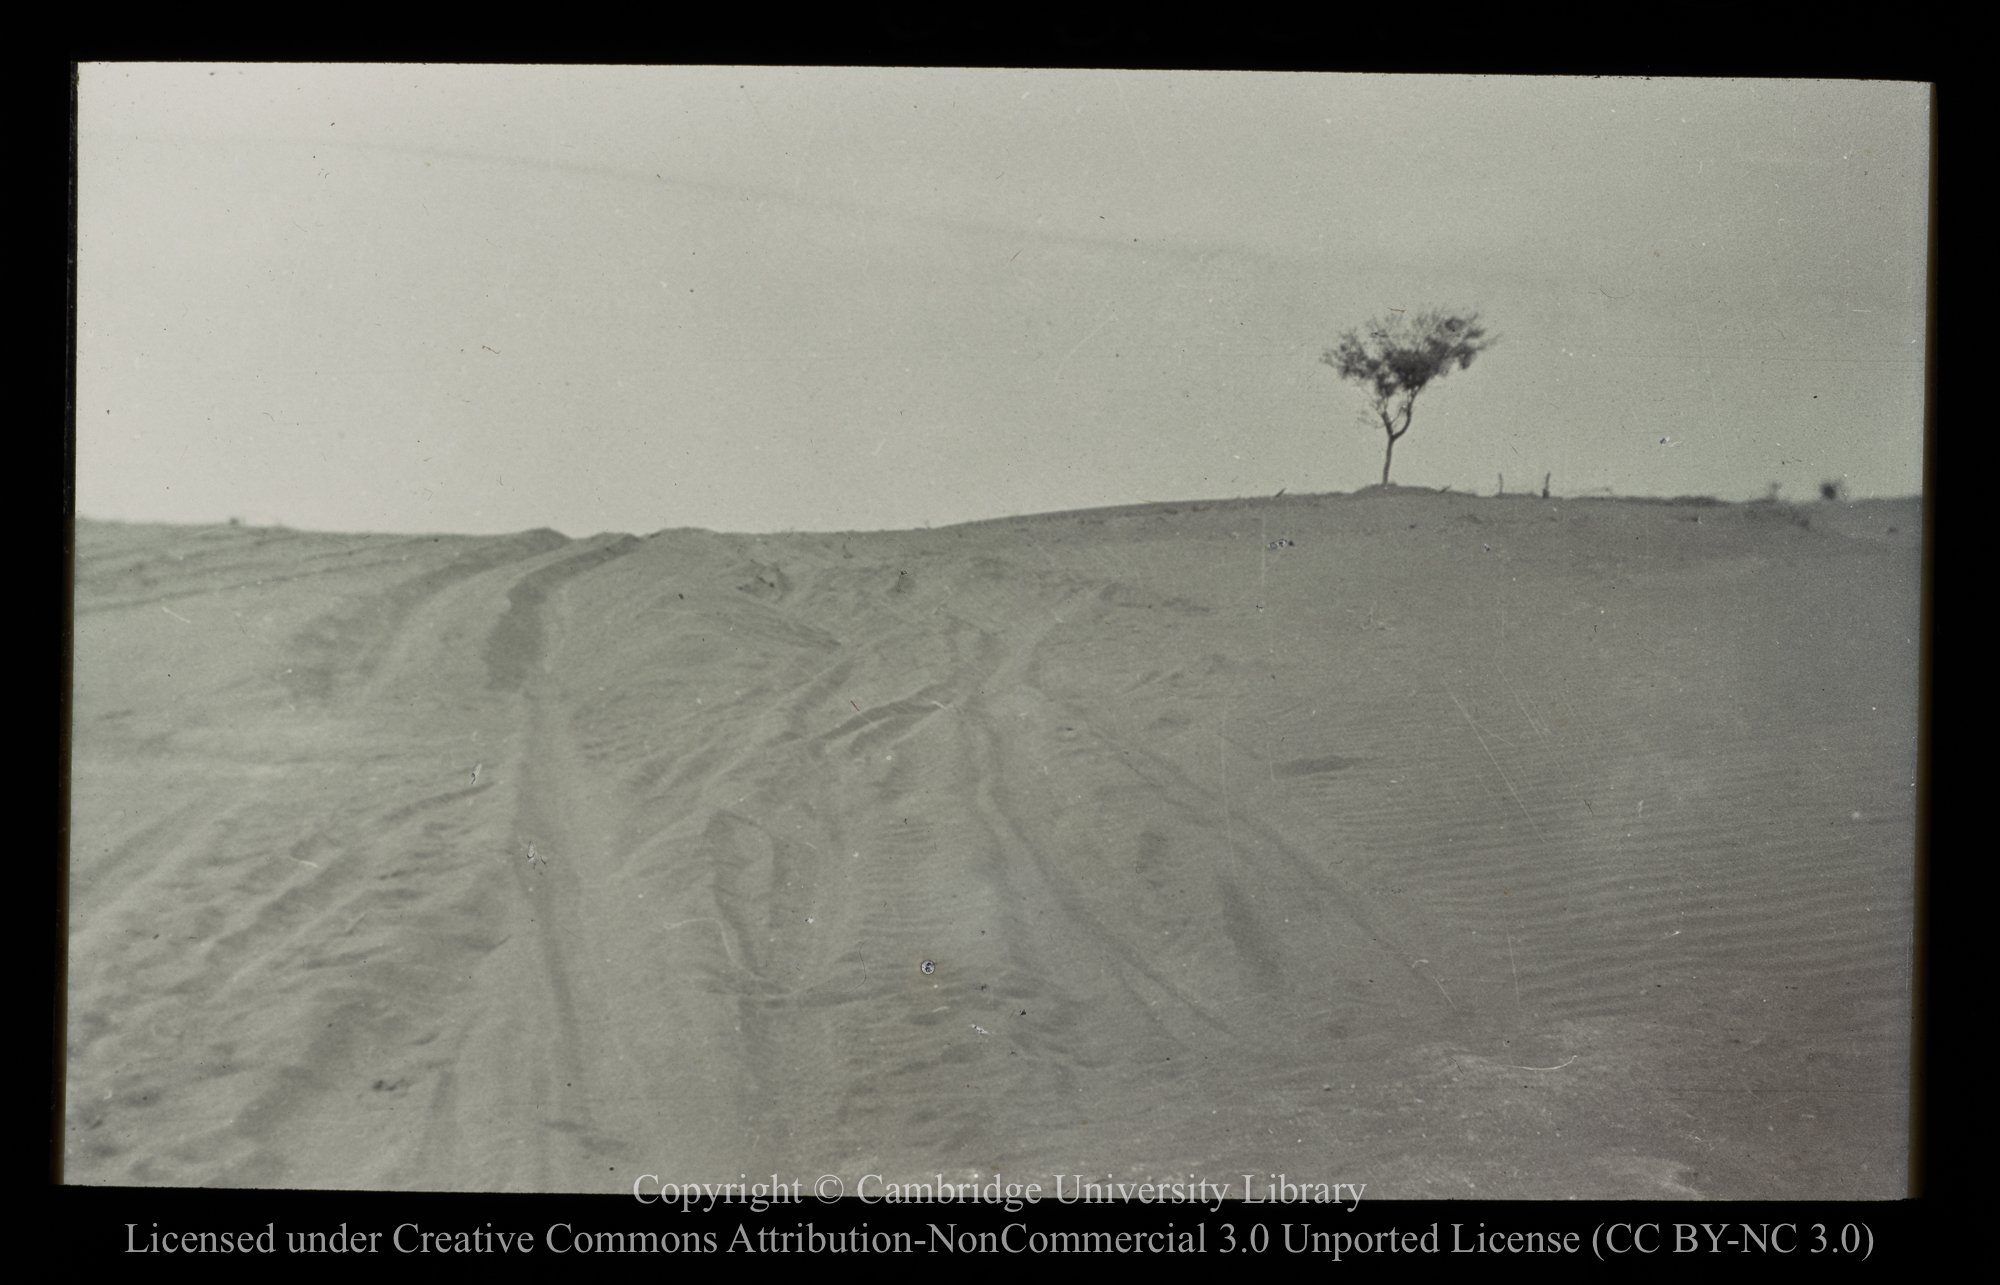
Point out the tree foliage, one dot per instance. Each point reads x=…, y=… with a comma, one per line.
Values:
x=1394, y=360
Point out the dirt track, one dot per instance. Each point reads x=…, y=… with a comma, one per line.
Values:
x=1465, y=847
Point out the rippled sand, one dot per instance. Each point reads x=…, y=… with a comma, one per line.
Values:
x=1463, y=847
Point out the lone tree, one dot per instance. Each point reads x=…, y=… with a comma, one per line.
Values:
x=1398, y=358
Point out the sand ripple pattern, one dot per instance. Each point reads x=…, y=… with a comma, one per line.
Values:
x=1470, y=848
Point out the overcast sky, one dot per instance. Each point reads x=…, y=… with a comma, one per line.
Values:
x=483, y=299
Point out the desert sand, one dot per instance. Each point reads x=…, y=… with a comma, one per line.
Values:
x=1465, y=847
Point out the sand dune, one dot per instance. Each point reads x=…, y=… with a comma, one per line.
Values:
x=1463, y=847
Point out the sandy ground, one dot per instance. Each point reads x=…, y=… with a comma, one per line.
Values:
x=1465, y=847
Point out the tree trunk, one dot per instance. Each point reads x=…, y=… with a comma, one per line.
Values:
x=1386, y=456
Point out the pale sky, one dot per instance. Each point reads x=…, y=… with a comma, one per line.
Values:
x=484, y=299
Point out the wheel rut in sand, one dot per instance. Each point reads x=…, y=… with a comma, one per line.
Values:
x=811, y=854
x=618, y=1057
x=354, y=639
x=467, y=989
x=514, y=646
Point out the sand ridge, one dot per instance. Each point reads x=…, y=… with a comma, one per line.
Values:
x=1468, y=847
